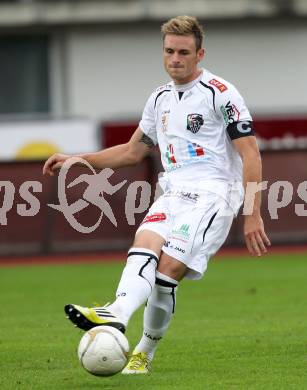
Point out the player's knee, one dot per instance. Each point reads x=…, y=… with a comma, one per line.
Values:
x=171, y=267
x=150, y=240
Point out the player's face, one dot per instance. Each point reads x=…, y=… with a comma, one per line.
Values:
x=181, y=58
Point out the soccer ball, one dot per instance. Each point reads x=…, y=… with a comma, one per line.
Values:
x=103, y=350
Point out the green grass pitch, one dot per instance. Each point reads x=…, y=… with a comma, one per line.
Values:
x=243, y=326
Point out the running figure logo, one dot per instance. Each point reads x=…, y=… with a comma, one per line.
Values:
x=97, y=185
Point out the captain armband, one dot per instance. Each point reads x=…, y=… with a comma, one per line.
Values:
x=240, y=129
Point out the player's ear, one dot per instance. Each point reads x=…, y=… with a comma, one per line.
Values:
x=201, y=54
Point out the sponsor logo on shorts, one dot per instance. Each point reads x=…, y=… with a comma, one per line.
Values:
x=182, y=232
x=177, y=248
x=194, y=122
x=220, y=86
x=189, y=196
x=157, y=217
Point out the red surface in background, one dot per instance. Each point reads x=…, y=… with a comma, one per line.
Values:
x=269, y=128
x=115, y=133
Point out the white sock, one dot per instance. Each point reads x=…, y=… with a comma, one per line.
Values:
x=158, y=313
x=136, y=283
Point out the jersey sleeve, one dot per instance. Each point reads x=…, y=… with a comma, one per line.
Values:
x=234, y=113
x=148, y=122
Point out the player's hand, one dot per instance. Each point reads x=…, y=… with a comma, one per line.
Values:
x=54, y=163
x=255, y=236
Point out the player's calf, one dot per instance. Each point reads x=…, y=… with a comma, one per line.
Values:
x=135, y=286
x=157, y=316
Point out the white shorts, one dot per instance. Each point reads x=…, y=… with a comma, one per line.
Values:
x=193, y=225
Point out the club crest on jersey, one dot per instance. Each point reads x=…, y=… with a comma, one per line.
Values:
x=194, y=122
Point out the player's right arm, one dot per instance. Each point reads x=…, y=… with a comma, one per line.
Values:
x=130, y=153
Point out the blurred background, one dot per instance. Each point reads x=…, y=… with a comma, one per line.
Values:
x=74, y=78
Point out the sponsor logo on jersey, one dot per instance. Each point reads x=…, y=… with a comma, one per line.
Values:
x=230, y=113
x=195, y=150
x=164, y=121
x=170, y=154
x=156, y=217
x=224, y=113
x=220, y=86
x=164, y=86
x=194, y=122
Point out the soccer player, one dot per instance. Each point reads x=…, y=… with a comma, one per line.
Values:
x=209, y=152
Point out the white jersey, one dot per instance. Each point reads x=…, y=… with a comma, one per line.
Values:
x=193, y=126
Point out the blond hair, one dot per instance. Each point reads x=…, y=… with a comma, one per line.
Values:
x=184, y=25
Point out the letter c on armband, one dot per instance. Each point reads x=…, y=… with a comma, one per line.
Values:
x=240, y=129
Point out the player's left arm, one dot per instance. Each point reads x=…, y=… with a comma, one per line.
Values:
x=239, y=126
x=254, y=233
